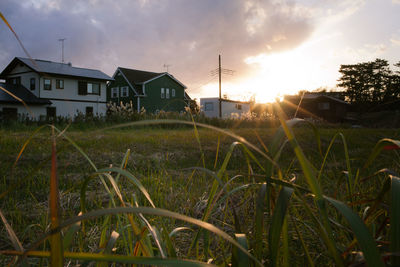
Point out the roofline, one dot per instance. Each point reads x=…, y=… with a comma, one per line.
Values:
x=226, y=100
x=126, y=79
x=50, y=73
x=162, y=74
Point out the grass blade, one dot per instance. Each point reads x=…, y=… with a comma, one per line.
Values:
x=275, y=228
x=57, y=256
x=395, y=221
x=239, y=259
x=259, y=221
x=11, y=234
x=379, y=147
x=364, y=238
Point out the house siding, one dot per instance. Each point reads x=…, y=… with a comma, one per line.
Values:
x=228, y=108
x=153, y=101
x=119, y=81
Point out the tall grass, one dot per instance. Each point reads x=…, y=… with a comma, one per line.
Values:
x=289, y=216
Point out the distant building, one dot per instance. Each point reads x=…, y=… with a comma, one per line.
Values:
x=149, y=90
x=229, y=108
x=51, y=89
x=328, y=106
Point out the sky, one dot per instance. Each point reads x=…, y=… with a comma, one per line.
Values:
x=274, y=47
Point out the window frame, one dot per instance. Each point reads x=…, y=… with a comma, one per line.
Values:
x=32, y=86
x=173, y=94
x=47, y=87
x=127, y=91
x=162, y=93
x=59, y=83
x=167, y=93
x=115, y=92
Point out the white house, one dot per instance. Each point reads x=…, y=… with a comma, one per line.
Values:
x=229, y=108
x=52, y=89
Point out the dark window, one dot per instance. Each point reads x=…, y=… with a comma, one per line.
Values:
x=10, y=114
x=82, y=88
x=14, y=80
x=89, y=111
x=32, y=84
x=238, y=106
x=47, y=84
x=59, y=84
x=51, y=112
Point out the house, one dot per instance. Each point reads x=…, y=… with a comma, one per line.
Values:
x=328, y=106
x=229, y=108
x=52, y=89
x=152, y=91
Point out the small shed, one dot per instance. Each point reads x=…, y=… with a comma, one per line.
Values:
x=317, y=106
x=229, y=108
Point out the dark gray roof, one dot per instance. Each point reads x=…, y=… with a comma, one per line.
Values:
x=139, y=76
x=21, y=92
x=45, y=66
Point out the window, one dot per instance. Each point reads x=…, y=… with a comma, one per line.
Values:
x=10, y=114
x=51, y=112
x=32, y=84
x=238, y=106
x=114, y=92
x=85, y=88
x=167, y=93
x=14, y=80
x=95, y=88
x=323, y=106
x=173, y=92
x=47, y=84
x=82, y=88
x=162, y=93
x=209, y=106
x=124, y=91
x=59, y=84
x=89, y=111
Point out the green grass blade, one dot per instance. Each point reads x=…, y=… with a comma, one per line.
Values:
x=364, y=238
x=131, y=178
x=285, y=242
x=142, y=261
x=70, y=234
x=275, y=228
x=395, y=220
x=149, y=211
x=379, y=147
x=259, y=221
x=239, y=259
x=300, y=236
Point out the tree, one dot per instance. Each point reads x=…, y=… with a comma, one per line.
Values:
x=369, y=83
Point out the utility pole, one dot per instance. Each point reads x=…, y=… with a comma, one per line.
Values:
x=219, y=82
x=62, y=48
x=220, y=71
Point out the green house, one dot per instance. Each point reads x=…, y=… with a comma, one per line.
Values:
x=149, y=90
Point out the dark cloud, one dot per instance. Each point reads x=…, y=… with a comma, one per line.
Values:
x=187, y=34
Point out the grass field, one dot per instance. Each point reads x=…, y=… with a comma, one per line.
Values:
x=163, y=161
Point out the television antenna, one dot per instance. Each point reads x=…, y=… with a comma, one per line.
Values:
x=167, y=66
x=62, y=48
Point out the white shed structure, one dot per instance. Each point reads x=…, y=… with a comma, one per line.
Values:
x=229, y=108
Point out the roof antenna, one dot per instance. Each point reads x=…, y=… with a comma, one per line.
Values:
x=62, y=48
x=167, y=66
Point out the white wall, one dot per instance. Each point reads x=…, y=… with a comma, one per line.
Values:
x=229, y=109
x=70, y=108
x=33, y=112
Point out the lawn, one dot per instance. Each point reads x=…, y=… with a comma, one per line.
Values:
x=171, y=165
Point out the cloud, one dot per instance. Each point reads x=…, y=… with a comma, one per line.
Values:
x=396, y=1
x=186, y=34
